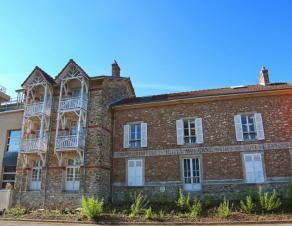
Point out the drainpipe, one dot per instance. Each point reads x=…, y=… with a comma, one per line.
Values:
x=112, y=151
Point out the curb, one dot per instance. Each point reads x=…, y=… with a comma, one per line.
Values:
x=150, y=223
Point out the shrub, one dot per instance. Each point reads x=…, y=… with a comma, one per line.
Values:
x=269, y=202
x=16, y=212
x=140, y=202
x=247, y=205
x=196, y=208
x=224, y=209
x=149, y=214
x=91, y=207
x=287, y=198
x=162, y=200
x=183, y=202
x=161, y=213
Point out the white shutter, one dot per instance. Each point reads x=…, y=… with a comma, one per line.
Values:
x=143, y=135
x=258, y=168
x=259, y=126
x=249, y=170
x=238, y=127
x=138, y=171
x=180, y=131
x=135, y=172
x=131, y=172
x=126, y=136
x=199, y=130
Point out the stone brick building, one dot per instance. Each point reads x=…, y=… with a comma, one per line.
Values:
x=90, y=135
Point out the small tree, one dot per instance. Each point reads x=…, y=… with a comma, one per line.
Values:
x=269, y=201
x=183, y=202
x=247, y=205
x=91, y=207
x=224, y=209
x=140, y=202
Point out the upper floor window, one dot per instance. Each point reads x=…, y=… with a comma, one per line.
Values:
x=13, y=141
x=135, y=135
x=249, y=127
x=189, y=130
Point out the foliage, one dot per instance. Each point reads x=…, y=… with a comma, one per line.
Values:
x=247, y=205
x=183, y=202
x=161, y=213
x=162, y=199
x=149, y=214
x=269, y=201
x=91, y=207
x=16, y=212
x=224, y=209
x=287, y=198
x=196, y=208
x=140, y=202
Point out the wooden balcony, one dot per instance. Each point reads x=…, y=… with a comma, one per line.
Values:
x=34, y=145
x=70, y=142
x=73, y=103
x=37, y=109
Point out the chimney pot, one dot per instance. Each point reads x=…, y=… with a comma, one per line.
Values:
x=264, y=76
x=115, y=69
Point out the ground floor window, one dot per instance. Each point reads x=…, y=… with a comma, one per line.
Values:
x=135, y=172
x=8, y=176
x=36, y=176
x=191, y=174
x=72, y=182
x=254, y=172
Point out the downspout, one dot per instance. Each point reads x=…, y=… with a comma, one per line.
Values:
x=112, y=152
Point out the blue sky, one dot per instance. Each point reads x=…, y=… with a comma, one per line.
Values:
x=164, y=46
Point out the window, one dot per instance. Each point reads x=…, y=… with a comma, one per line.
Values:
x=36, y=176
x=8, y=176
x=13, y=142
x=135, y=135
x=191, y=174
x=189, y=131
x=72, y=182
x=76, y=93
x=73, y=128
x=248, y=127
x=135, y=172
x=253, y=168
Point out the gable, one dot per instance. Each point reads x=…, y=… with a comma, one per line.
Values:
x=37, y=76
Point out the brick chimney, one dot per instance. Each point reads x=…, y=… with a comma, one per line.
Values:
x=264, y=76
x=115, y=69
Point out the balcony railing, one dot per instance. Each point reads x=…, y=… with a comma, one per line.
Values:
x=70, y=142
x=37, y=109
x=34, y=145
x=73, y=103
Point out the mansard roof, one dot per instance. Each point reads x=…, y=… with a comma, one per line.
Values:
x=71, y=61
x=46, y=76
x=206, y=93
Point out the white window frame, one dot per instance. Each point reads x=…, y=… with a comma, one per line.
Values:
x=189, y=137
x=72, y=180
x=36, y=176
x=141, y=160
x=137, y=141
x=196, y=180
x=249, y=133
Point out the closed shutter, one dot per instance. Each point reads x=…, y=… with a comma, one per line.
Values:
x=199, y=131
x=180, y=131
x=126, y=136
x=259, y=126
x=238, y=128
x=135, y=173
x=143, y=135
x=249, y=170
x=258, y=168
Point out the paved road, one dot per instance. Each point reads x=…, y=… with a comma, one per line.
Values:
x=23, y=223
